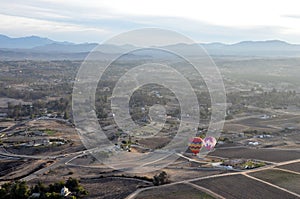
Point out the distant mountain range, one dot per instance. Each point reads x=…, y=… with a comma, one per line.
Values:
x=34, y=47
x=24, y=42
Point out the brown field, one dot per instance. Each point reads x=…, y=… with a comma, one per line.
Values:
x=179, y=174
x=239, y=186
x=257, y=122
x=285, y=121
x=248, y=124
x=292, y=167
x=230, y=127
x=178, y=191
x=282, y=179
x=111, y=188
x=60, y=128
x=154, y=142
x=8, y=166
x=272, y=155
x=271, y=125
x=23, y=169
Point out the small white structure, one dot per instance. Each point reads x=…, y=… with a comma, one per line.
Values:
x=264, y=117
x=253, y=143
x=65, y=191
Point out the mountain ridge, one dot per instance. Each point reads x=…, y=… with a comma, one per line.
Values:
x=37, y=45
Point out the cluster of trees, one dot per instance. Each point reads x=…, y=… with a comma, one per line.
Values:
x=276, y=99
x=19, y=110
x=161, y=178
x=102, y=105
x=32, y=95
x=50, y=78
x=17, y=94
x=20, y=190
x=61, y=107
x=14, y=190
x=264, y=99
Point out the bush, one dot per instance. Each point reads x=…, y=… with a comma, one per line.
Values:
x=18, y=189
x=161, y=178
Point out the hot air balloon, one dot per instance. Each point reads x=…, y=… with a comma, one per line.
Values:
x=196, y=145
x=210, y=143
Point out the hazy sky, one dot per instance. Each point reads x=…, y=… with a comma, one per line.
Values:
x=226, y=21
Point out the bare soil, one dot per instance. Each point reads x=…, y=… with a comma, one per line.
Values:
x=272, y=155
x=178, y=191
x=292, y=167
x=282, y=179
x=234, y=187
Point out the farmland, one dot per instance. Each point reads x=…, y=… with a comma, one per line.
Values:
x=293, y=167
x=287, y=180
x=235, y=186
x=271, y=155
x=174, y=192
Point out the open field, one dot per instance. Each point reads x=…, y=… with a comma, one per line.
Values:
x=254, y=122
x=292, y=167
x=239, y=186
x=186, y=174
x=111, y=188
x=7, y=166
x=178, y=191
x=282, y=121
x=22, y=168
x=280, y=178
x=271, y=155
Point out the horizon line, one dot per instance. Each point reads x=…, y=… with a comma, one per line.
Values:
x=196, y=42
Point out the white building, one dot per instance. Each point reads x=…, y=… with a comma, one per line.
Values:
x=65, y=191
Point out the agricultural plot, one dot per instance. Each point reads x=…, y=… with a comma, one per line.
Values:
x=239, y=186
x=289, y=181
x=292, y=167
x=177, y=191
x=272, y=155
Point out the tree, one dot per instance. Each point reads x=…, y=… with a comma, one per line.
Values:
x=74, y=186
x=14, y=190
x=56, y=187
x=19, y=190
x=161, y=178
x=38, y=188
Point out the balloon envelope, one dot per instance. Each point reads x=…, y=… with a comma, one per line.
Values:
x=196, y=145
x=210, y=143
